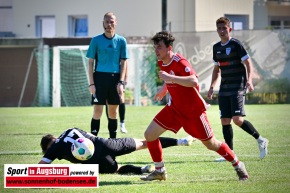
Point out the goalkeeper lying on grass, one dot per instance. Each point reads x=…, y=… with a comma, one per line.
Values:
x=106, y=150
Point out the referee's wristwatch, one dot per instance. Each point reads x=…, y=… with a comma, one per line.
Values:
x=122, y=82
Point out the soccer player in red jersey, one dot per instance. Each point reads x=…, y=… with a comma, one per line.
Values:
x=186, y=108
x=106, y=150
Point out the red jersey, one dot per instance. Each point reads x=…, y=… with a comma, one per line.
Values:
x=185, y=100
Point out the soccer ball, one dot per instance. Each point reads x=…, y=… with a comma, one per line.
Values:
x=82, y=149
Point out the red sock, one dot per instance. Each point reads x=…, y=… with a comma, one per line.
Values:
x=155, y=150
x=226, y=152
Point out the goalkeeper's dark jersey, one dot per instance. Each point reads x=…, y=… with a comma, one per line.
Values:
x=229, y=57
x=61, y=148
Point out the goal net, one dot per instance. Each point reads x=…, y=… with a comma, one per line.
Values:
x=68, y=77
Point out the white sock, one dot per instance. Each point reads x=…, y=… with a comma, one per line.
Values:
x=260, y=139
x=159, y=164
x=161, y=169
x=179, y=142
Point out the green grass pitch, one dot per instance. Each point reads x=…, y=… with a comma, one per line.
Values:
x=190, y=169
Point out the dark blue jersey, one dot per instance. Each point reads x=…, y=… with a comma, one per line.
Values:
x=229, y=57
x=61, y=148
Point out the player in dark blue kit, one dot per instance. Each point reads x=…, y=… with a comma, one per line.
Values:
x=106, y=150
x=233, y=64
x=108, y=56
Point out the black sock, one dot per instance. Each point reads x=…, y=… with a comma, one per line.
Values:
x=249, y=128
x=122, y=110
x=112, y=126
x=107, y=111
x=95, y=126
x=129, y=169
x=228, y=135
x=167, y=142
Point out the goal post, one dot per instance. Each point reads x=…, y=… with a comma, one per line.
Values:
x=56, y=102
x=69, y=77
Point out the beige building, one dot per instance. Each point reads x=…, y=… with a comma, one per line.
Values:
x=272, y=13
x=200, y=15
x=72, y=18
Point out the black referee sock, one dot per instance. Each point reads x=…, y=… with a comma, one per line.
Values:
x=167, y=142
x=127, y=169
x=95, y=126
x=112, y=126
x=249, y=128
x=107, y=114
x=228, y=135
x=122, y=110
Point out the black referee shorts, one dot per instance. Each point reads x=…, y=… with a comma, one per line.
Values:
x=113, y=148
x=106, y=88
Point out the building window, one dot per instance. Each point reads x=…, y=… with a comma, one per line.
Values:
x=287, y=24
x=78, y=26
x=6, y=19
x=45, y=26
x=239, y=22
x=281, y=22
x=276, y=24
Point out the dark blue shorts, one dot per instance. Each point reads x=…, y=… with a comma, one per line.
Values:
x=231, y=106
x=106, y=88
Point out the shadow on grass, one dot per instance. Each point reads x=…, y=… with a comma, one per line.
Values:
x=168, y=162
x=14, y=134
x=117, y=183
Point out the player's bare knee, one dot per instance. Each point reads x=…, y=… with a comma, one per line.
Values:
x=149, y=136
x=212, y=144
x=238, y=120
x=226, y=121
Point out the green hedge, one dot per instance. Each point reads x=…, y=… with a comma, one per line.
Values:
x=259, y=98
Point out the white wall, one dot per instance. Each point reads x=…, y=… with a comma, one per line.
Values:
x=139, y=17
x=181, y=15
x=135, y=17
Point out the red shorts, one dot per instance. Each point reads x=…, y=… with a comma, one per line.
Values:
x=195, y=125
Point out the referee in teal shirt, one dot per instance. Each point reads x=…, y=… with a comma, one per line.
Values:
x=108, y=56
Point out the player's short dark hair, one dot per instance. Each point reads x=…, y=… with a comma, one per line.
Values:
x=224, y=20
x=45, y=141
x=164, y=36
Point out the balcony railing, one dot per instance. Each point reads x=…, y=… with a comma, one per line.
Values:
x=279, y=2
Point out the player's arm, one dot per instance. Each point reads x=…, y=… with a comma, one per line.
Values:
x=126, y=73
x=92, y=87
x=249, y=67
x=214, y=78
x=123, y=68
x=187, y=81
x=161, y=93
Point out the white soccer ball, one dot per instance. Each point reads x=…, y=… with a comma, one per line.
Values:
x=82, y=149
